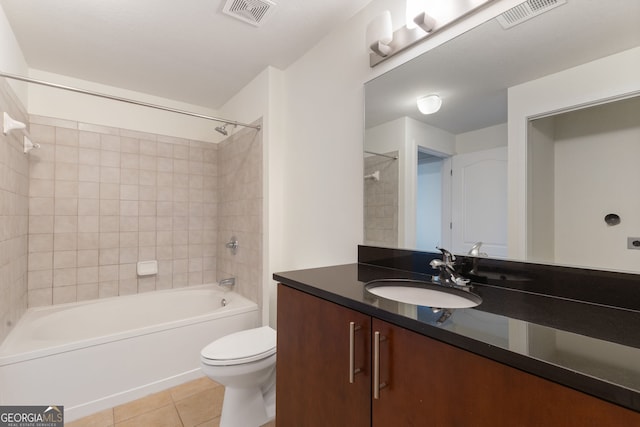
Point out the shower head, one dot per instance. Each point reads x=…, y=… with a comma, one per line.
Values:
x=222, y=129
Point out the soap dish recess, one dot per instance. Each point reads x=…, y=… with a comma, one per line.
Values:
x=147, y=268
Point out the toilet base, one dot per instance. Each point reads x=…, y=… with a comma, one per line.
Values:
x=247, y=407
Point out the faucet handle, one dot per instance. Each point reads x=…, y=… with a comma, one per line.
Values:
x=447, y=256
x=437, y=263
x=475, y=250
x=461, y=281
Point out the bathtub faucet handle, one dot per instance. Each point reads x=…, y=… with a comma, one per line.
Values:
x=232, y=244
x=228, y=282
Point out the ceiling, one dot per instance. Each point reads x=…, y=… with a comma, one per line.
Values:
x=472, y=72
x=183, y=50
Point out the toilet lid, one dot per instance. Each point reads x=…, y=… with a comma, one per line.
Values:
x=241, y=347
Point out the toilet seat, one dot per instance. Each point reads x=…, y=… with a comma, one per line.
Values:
x=241, y=347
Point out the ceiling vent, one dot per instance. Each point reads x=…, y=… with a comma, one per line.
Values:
x=527, y=10
x=253, y=12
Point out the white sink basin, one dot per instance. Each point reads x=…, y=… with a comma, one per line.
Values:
x=422, y=293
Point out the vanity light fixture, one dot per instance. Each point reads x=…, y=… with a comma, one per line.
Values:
x=380, y=34
x=424, y=21
x=412, y=9
x=383, y=43
x=429, y=104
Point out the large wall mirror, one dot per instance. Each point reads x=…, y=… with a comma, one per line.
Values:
x=565, y=170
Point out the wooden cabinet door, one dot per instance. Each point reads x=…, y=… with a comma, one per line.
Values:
x=312, y=368
x=406, y=388
x=432, y=383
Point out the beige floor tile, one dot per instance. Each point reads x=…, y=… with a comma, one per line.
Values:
x=140, y=406
x=211, y=423
x=200, y=407
x=166, y=416
x=99, y=419
x=192, y=387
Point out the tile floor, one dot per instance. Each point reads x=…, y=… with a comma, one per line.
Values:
x=194, y=404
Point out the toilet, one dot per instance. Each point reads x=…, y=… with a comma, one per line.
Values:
x=245, y=363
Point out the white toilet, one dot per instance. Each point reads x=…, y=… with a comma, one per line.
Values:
x=245, y=363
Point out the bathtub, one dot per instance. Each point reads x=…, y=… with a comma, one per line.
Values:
x=94, y=355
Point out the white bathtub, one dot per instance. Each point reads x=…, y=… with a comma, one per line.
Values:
x=97, y=354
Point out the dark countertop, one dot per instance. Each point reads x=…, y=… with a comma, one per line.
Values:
x=585, y=345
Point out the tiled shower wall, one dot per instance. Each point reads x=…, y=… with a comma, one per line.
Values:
x=102, y=199
x=14, y=205
x=381, y=201
x=240, y=198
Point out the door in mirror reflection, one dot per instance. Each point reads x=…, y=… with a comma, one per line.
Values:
x=462, y=200
x=479, y=202
x=430, y=215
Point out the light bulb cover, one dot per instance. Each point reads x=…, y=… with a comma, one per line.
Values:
x=424, y=21
x=429, y=104
x=380, y=34
x=412, y=9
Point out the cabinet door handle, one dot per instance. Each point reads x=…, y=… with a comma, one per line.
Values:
x=352, y=351
x=376, y=365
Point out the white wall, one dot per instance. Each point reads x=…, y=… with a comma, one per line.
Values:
x=323, y=183
x=594, y=82
x=387, y=137
x=596, y=156
x=52, y=102
x=541, y=192
x=430, y=138
x=11, y=58
x=482, y=139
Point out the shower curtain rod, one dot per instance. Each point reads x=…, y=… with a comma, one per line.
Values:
x=383, y=155
x=128, y=101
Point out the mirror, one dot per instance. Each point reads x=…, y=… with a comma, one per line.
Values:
x=413, y=202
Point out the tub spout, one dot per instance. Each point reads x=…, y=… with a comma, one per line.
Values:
x=228, y=282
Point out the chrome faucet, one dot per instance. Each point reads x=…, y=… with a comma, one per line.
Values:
x=227, y=283
x=474, y=252
x=448, y=275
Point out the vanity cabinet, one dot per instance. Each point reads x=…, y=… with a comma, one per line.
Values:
x=313, y=386
x=422, y=381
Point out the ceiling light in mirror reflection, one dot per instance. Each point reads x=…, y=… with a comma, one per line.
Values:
x=429, y=104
